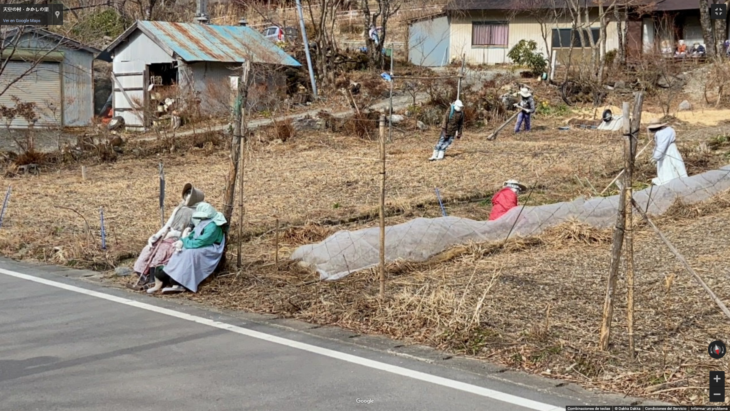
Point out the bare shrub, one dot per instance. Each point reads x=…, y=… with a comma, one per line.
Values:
x=362, y=125
x=30, y=157
x=441, y=92
x=284, y=129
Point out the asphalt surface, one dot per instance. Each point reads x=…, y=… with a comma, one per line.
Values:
x=62, y=349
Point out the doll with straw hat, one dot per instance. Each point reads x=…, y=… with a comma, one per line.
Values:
x=666, y=156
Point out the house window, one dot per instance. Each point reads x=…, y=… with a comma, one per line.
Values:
x=562, y=37
x=489, y=34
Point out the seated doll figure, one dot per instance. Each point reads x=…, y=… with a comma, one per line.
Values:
x=160, y=246
x=197, y=254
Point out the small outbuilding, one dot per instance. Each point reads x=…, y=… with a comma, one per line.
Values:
x=156, y=62
x=51, y=71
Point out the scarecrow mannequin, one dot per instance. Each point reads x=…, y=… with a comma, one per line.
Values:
x=505, y=199
x=159, y=246
x=527, y=107
x=668, y=160
x=681, y=49
x=197, y=254
x=373, y=34
x=698, y=50
x=451, y=127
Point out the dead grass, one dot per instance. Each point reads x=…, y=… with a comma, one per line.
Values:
x=532, y=303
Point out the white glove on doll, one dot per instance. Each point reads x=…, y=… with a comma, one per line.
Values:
x=152, y=240
x=178, y=246
x=172, y=234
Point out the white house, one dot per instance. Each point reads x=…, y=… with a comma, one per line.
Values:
x=486, y=30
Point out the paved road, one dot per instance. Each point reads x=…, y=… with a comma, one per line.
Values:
x=67, y=344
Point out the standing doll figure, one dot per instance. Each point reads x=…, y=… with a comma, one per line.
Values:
x=373, y=34
x=451, y=128
x=668, y=160
x=527, y=107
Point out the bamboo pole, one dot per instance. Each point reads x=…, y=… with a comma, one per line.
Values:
x=162, y=195
x=618, y=240
x=682, y=260
x=631, y=143
x=236, y=143
x=392, y=80
x=382, y=207
x=461, y=75
x=276, y=244
x=242, y=168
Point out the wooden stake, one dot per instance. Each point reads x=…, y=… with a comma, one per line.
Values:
x=276, y=244
x=681, y=259
x=461, y=75
x=242, y=156
x=631, y=143
x=238, y=129
x=83, y=172
x=382, y=207
x=618, y=240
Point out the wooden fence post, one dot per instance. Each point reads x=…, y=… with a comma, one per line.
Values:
x=242, y=168
x=631, y=145
x=276, y=244
x=239, y=107
x=618, y=240
x=382, y=207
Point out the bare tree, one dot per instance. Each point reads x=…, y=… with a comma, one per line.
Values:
x=386, y=9
x=324, y=36
x=720, y=31
x=621, y=16
x=707, y=30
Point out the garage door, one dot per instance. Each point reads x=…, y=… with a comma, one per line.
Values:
x=41, y=85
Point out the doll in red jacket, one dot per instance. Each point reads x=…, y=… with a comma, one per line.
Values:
x=505, y=199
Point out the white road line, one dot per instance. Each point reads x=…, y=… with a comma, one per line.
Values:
x=473, y=389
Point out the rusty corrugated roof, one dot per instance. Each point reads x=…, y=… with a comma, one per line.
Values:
x=193, y=42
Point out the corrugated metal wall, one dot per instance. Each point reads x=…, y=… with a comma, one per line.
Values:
x=131, y=58
x=74, y=89
x=212, y=82
x=521, y=27
x=40, y=85
x=78, y=89
x=428, y=42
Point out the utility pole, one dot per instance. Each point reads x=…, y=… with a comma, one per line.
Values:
x=306, y=48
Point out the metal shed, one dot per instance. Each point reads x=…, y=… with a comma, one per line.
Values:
x=191, y=56
x=52, y=71
x=428, y=41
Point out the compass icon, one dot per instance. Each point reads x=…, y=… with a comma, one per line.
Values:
x=716, y=349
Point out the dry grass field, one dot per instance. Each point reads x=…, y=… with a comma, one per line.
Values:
x=533, y=304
